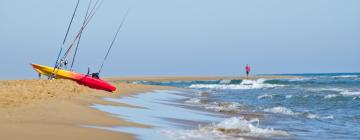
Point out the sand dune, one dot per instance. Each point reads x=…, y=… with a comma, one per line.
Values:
x=20, y=92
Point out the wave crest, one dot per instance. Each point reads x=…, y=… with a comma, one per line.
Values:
x=230, y=128
x=245, y=84
x=286, y=111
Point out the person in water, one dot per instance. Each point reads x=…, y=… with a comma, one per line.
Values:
x=247, y=69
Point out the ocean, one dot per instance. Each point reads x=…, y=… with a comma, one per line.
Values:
x=313, y=106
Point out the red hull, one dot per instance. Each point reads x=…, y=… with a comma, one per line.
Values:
x=96, y=83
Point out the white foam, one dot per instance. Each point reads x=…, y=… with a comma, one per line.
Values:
x=350, y=93
x=245, y=84
x=225, y=81
x=345, y=92
x=224, y=106
x=327, y=89
x=330, y=96
x=231, y=128
x=230, y=107
x=286, y=111
x=265, y=96
x=299, y=79
x=138, y=82
x=194, y=101
x=240, y=126
x=281, y=110
x=288, y=96
x=346, y=76
x=315, y=116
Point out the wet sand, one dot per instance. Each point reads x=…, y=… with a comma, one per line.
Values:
x=59, y=109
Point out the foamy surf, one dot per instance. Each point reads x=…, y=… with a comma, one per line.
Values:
x=265, y=96
x=230, y=107
x=193, y=101
x=317, y=103
x=245, y=84
x=346, y=76
x=287, y=111
x=228, y=129
x=330, y=96
x=226, y=107
x=350, y=93
x=281, y=110
x=341, y=91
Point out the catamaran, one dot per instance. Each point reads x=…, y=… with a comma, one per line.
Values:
x=92, y=80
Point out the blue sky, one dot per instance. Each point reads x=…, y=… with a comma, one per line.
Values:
x=186, y=37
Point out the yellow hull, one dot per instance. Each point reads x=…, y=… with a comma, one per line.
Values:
x=58, y=73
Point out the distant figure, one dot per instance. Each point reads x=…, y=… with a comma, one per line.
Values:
x=247, y=68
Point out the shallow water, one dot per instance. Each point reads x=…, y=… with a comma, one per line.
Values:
x=317, y=106
x=174, y=118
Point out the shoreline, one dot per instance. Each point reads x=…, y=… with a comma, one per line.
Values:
x=59, y=109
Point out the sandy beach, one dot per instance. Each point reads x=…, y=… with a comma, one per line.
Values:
x=42, y=109
x=59, y=109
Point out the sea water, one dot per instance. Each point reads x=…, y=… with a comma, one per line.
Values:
x=315, y=106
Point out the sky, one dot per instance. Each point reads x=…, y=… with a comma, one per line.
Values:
x=185, y=37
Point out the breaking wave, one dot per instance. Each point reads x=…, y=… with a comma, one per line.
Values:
x=288, y=96
x=350, y=93
x=280, y=110
x=194, y=101
x=265, y=96
x=330, y=96
x=226, y=107
x=341, y=91
x=245, y=84
x=346, y=76
x=286, y=111
x=231, y=128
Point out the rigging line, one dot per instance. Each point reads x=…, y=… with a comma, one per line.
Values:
x=112, y=43
x=81, y=30
x=72, y=18
x=58, y=65
x=68, y=29
x=77, y=45
x=67, y=32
